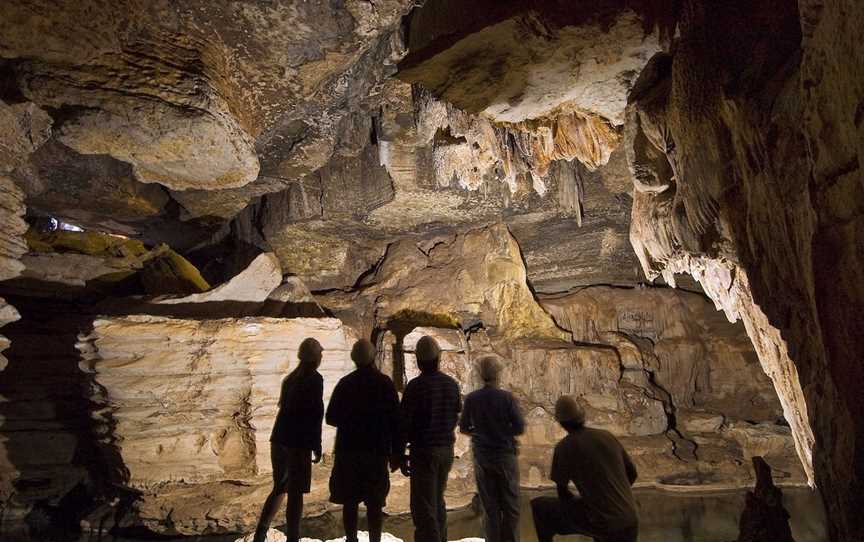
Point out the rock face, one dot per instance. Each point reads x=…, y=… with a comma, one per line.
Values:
x=708, y=143
x=478, y=171
x=189, y=405
x=528, y=60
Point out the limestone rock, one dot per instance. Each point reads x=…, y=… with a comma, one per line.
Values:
x=190, y=403
x=253, y=285
x=103, y=261
x=515, y=62
x=451, y=281
x=92, y=191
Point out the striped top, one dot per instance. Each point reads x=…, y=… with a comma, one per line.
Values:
x=430, y=409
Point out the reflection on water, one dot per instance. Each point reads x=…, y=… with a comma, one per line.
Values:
x=664, y=517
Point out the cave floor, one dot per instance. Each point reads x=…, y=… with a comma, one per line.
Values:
x=666, y=516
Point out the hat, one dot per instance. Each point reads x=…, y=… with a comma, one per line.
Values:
x=568, y=410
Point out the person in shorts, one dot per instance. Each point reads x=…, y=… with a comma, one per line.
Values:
x=364, y=408
x=295, y=442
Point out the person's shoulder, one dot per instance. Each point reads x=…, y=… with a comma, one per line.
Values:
x=505, y=394
x=449, y=379
x=596, y=433
x=382, y=378
x=473, y=395
x=564, y=443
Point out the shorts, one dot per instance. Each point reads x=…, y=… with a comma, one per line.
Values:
x=292, y=468
x=359, y=477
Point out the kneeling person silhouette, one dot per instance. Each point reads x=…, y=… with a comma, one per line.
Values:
x=601, y=470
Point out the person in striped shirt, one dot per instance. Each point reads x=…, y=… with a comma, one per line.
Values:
x=429, y=412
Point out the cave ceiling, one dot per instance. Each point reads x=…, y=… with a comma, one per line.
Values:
x=325, y=133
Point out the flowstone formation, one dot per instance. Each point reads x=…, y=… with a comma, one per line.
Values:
x=654, y=207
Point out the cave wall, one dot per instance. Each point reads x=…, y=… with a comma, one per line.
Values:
x=749, y=180
x=185, y=405
x=742, y=133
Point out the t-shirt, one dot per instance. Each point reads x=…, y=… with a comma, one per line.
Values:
x=602, y=471
x=492, y=418
x=430, y=409
x=301, y=412
x=364, y=408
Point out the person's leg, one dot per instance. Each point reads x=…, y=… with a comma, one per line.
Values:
x=293, y=513
x=349, y=520
x=445, y=463
x=487, y=491
x=423, y=498
x=375, y=519
x=509, y=498
x=545, y=511
x=279, y=459
x=268, y=513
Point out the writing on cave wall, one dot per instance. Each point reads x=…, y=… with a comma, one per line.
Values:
x=637, y=322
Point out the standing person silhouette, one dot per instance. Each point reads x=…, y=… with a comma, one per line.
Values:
x=364, y=408
x=493, y=419
x=429, y=411
x=295, y=442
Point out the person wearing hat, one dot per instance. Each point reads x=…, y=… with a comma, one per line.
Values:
x=601, y=470
x=429, y=412
x=492, y=417
x=295, y=442
x=364, y=408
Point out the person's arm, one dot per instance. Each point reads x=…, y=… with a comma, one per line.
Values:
x=517, y=422
x=560, y=476
x=466, y=425
x=457, y=401
x=629, y=467
x=397, y=442
x=335, y=415
x=406, y=422
x=406, y=413
x=317, y=415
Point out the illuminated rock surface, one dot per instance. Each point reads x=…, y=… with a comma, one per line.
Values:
x=591, y=192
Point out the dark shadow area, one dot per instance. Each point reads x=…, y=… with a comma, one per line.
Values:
x=64, y=469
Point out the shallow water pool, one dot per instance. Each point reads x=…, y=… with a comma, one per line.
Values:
x=665, y=516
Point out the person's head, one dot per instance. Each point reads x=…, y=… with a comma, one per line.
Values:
x=569, y=414
x=309, y=354
x=428, y=354
x=363, y=353
x=490, y=370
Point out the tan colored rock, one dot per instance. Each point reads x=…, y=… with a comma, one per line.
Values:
x=194, y=401
x=762, y=205
x=527, y=63
x=253, y=285
x=462, y=279
x=166, y=145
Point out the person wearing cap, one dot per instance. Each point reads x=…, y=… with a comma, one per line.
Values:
x=492, y=417
x=429, y=412
x=364, y=408
x=295, y=442
x=601, y=470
